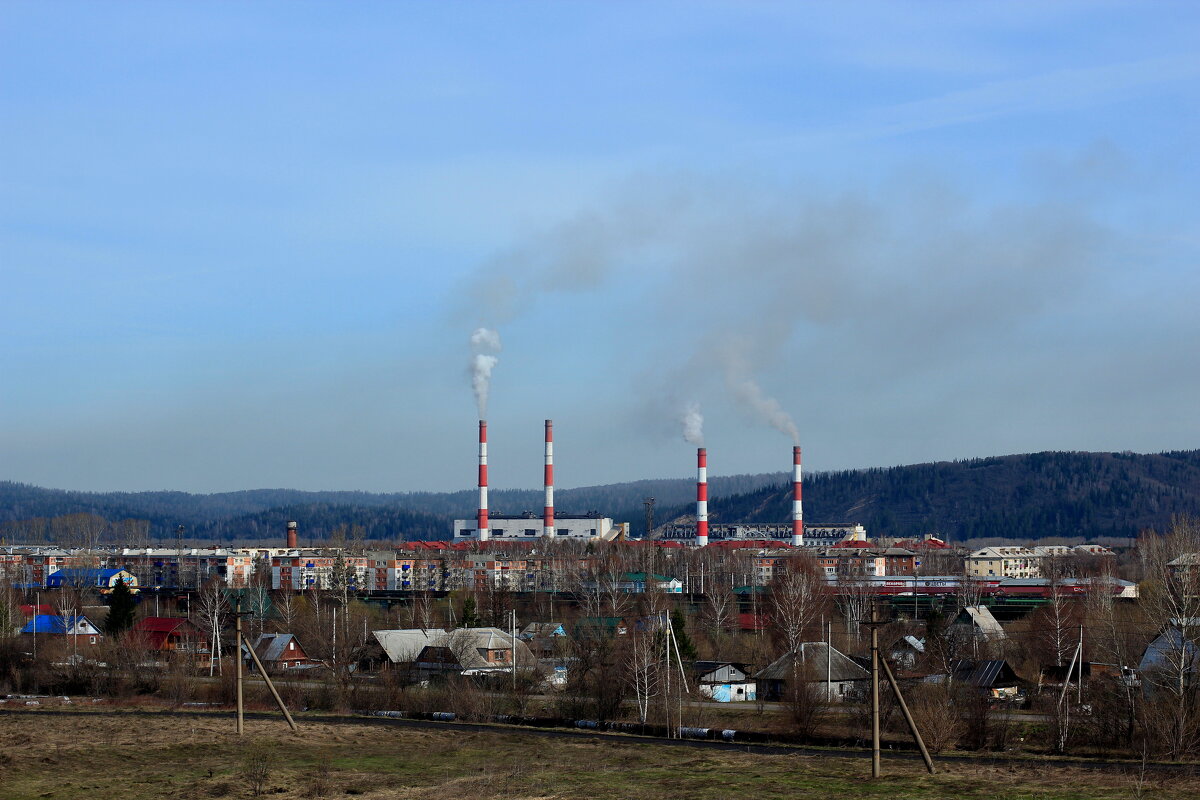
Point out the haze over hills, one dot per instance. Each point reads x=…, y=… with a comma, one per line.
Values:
x=1019, y=496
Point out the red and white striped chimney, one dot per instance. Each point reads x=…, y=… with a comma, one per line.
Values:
x=548, y=508
x=797, y=508
x=482, y=524
x=701, y=497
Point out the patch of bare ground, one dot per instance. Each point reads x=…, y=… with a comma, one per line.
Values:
x=168, y=756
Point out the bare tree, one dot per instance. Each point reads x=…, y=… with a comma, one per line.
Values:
x=1171, y=597
x=212, y=609
x=854, y=598
x=798, y=598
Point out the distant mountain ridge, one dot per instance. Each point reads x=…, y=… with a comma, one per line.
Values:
x=1031, y=496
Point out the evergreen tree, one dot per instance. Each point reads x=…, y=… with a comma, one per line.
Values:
x=121, y=605
x=687, y=649
x=470, y=619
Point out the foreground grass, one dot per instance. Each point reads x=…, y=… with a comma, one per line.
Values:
x=101, y=755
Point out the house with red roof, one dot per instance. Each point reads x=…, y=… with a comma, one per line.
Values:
x=171, y=634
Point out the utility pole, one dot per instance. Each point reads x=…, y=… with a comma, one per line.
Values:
x=876, y=663
x=875, y=766
x=649, y=504
x=261, y=671
x=179, y=559
x=237, y=612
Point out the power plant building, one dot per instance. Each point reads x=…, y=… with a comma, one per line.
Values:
x=818, y=535
x=517, y=527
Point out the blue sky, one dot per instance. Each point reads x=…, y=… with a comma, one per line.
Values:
x=245, y=245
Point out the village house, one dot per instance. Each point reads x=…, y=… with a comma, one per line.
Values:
x=278, y=652
x=77, y=629
x=474, y=651
x=816, y=665
x=724, y=681
x=171, y=635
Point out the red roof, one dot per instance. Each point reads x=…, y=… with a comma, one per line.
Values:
x=163, y=624
x=923, y=544
x=758, y=544
x=32, y=611
x=752, y=622
x=854, y=543
x=158, y=630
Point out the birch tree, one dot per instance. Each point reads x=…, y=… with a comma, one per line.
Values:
x=1171, y=597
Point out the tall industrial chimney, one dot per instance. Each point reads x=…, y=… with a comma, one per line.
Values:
x=797, y=508
x=701, y=497
x=291, y=536
x=548, y=509
x=482, y=525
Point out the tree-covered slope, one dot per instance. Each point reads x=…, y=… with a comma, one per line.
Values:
x=1021, y=496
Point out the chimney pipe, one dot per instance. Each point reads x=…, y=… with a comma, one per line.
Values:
x=797, y=508
x=701, y=497
x=548, y=509
x=291, y=536
x=482, y=523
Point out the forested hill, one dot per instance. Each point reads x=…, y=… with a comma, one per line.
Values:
x=1022, y=496
x=262, y=513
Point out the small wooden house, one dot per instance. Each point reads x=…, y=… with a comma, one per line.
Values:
x=724, y=681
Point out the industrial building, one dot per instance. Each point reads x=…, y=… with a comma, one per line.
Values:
x=509, y=527
x=486, y=527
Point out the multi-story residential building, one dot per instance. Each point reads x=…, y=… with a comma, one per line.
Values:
x=188, y=568
x=300, y=570
x=1007, y=562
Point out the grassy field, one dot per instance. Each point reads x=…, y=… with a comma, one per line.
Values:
x=106, y=756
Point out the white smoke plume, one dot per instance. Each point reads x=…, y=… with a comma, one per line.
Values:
x=693, y=424
x=484, y=342
x=485, y=339
x=765, y=407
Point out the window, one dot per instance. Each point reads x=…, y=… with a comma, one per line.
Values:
x=530, y=532
x=497, y=531
x=562, y=532
x=291, y=645
x=465, y=532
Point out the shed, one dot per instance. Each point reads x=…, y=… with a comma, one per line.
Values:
x=906, y=651
x=992, y=676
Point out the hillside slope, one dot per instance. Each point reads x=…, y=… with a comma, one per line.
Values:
x=1020, y=496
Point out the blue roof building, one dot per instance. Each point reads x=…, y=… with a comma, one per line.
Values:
x=57, y=625
x=92, y=578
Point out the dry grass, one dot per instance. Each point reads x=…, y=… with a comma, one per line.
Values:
x=110, y=755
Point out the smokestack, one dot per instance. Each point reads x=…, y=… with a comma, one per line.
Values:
x=291, y=536
x=482, y=525
x=548, y=509
x=701, y=497
x=797, y=509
